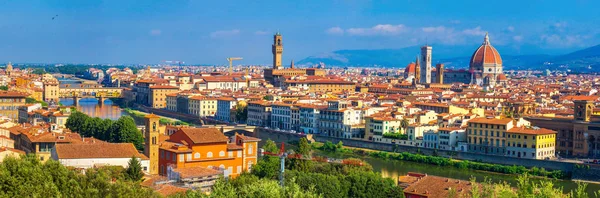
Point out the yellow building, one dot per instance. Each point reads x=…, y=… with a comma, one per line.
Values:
x=488, y=135
x=10, y=101
x=158, y=95
x=51, y=91
x=532, y=143
x=202, y=106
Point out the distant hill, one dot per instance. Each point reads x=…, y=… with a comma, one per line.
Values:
x=581, y=60
x=524, y=57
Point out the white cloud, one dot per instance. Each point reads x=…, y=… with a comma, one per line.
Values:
x=434, y=29
x=510, y=28
x=518, y=38
x=155, y=32
x=224, y=33
x=474, y=31
x=381, y=29
x=455, y=21
x=261, y=32
x=335, y=31
x=555, y=40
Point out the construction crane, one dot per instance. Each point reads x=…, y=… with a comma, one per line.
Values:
x=231, y=59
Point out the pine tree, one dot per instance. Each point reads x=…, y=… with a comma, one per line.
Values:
x=134, y=170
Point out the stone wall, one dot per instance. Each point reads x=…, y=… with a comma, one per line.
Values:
x=587, y=172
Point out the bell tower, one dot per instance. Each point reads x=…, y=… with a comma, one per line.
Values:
x=277, y=51
x=151, y=143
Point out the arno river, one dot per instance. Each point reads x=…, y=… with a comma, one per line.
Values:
x=388, y=168
x=394, y=168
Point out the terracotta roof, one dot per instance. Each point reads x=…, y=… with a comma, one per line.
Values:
x=168, y=189
x=163, y=87
x=204, y=135
x=233, y=146
x=12, y=150
x=248, y=138
x=432, y=186
x=106, y=150
x=195, y=172
x=12, y=94
x=531, y=131
x=151, y=115
x=502, y=121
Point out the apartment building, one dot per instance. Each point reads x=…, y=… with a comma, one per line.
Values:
x=341, y=120
x=259, y=113
x=488, y=135
x=531, y=143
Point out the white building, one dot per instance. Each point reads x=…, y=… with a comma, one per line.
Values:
x=341, y=120
x=98, y=154
x=281, y=116
x=450, y=137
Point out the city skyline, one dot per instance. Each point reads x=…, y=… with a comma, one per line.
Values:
x=206, y=32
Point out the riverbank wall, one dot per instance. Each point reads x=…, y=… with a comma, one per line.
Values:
x=493, y=159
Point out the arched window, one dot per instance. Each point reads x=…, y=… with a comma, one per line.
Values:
x=197, y=155
x=222, y=154
x=209, y=154
x=222, y=167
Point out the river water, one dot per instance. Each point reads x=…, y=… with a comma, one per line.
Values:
x=394, y=168
x=90, y=106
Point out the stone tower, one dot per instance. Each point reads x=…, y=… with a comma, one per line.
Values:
x=583, y=110
x=439, y=68
x=151, y=136
x=277, y=51
x=417, y=71
x=426, y=65
x=9, y=68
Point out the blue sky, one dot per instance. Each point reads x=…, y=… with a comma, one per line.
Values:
x=150, y=31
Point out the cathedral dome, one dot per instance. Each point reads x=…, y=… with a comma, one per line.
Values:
x=501, y=77
x=410, y=68
x=486, y=55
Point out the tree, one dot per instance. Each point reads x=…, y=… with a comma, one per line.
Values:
x=241, y=112
x=339, y=145
x=303, y=147
x=270, y=146
x=125, y=130
x=4, y=87
x=134, y=170
x=404, y=124
x=76, y=120
x=38, y=71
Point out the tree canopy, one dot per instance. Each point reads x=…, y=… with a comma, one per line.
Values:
x=120, y=131
x=28, y=177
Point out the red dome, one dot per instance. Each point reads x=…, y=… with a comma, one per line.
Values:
x=501, y=77
x=410, y=68
x=485, y=54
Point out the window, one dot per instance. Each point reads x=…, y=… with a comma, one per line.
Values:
x=222, y=154
x=209, y=154
x=189, y=157
x=239, y=153
x=250, y=149
x=181, y=157
x=197, y=155
x=239, y=169
x=230, y=153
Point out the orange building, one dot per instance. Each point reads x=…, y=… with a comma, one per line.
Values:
x=209, y=148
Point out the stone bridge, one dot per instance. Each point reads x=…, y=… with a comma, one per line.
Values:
x=230, y=130
x=102, y=93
